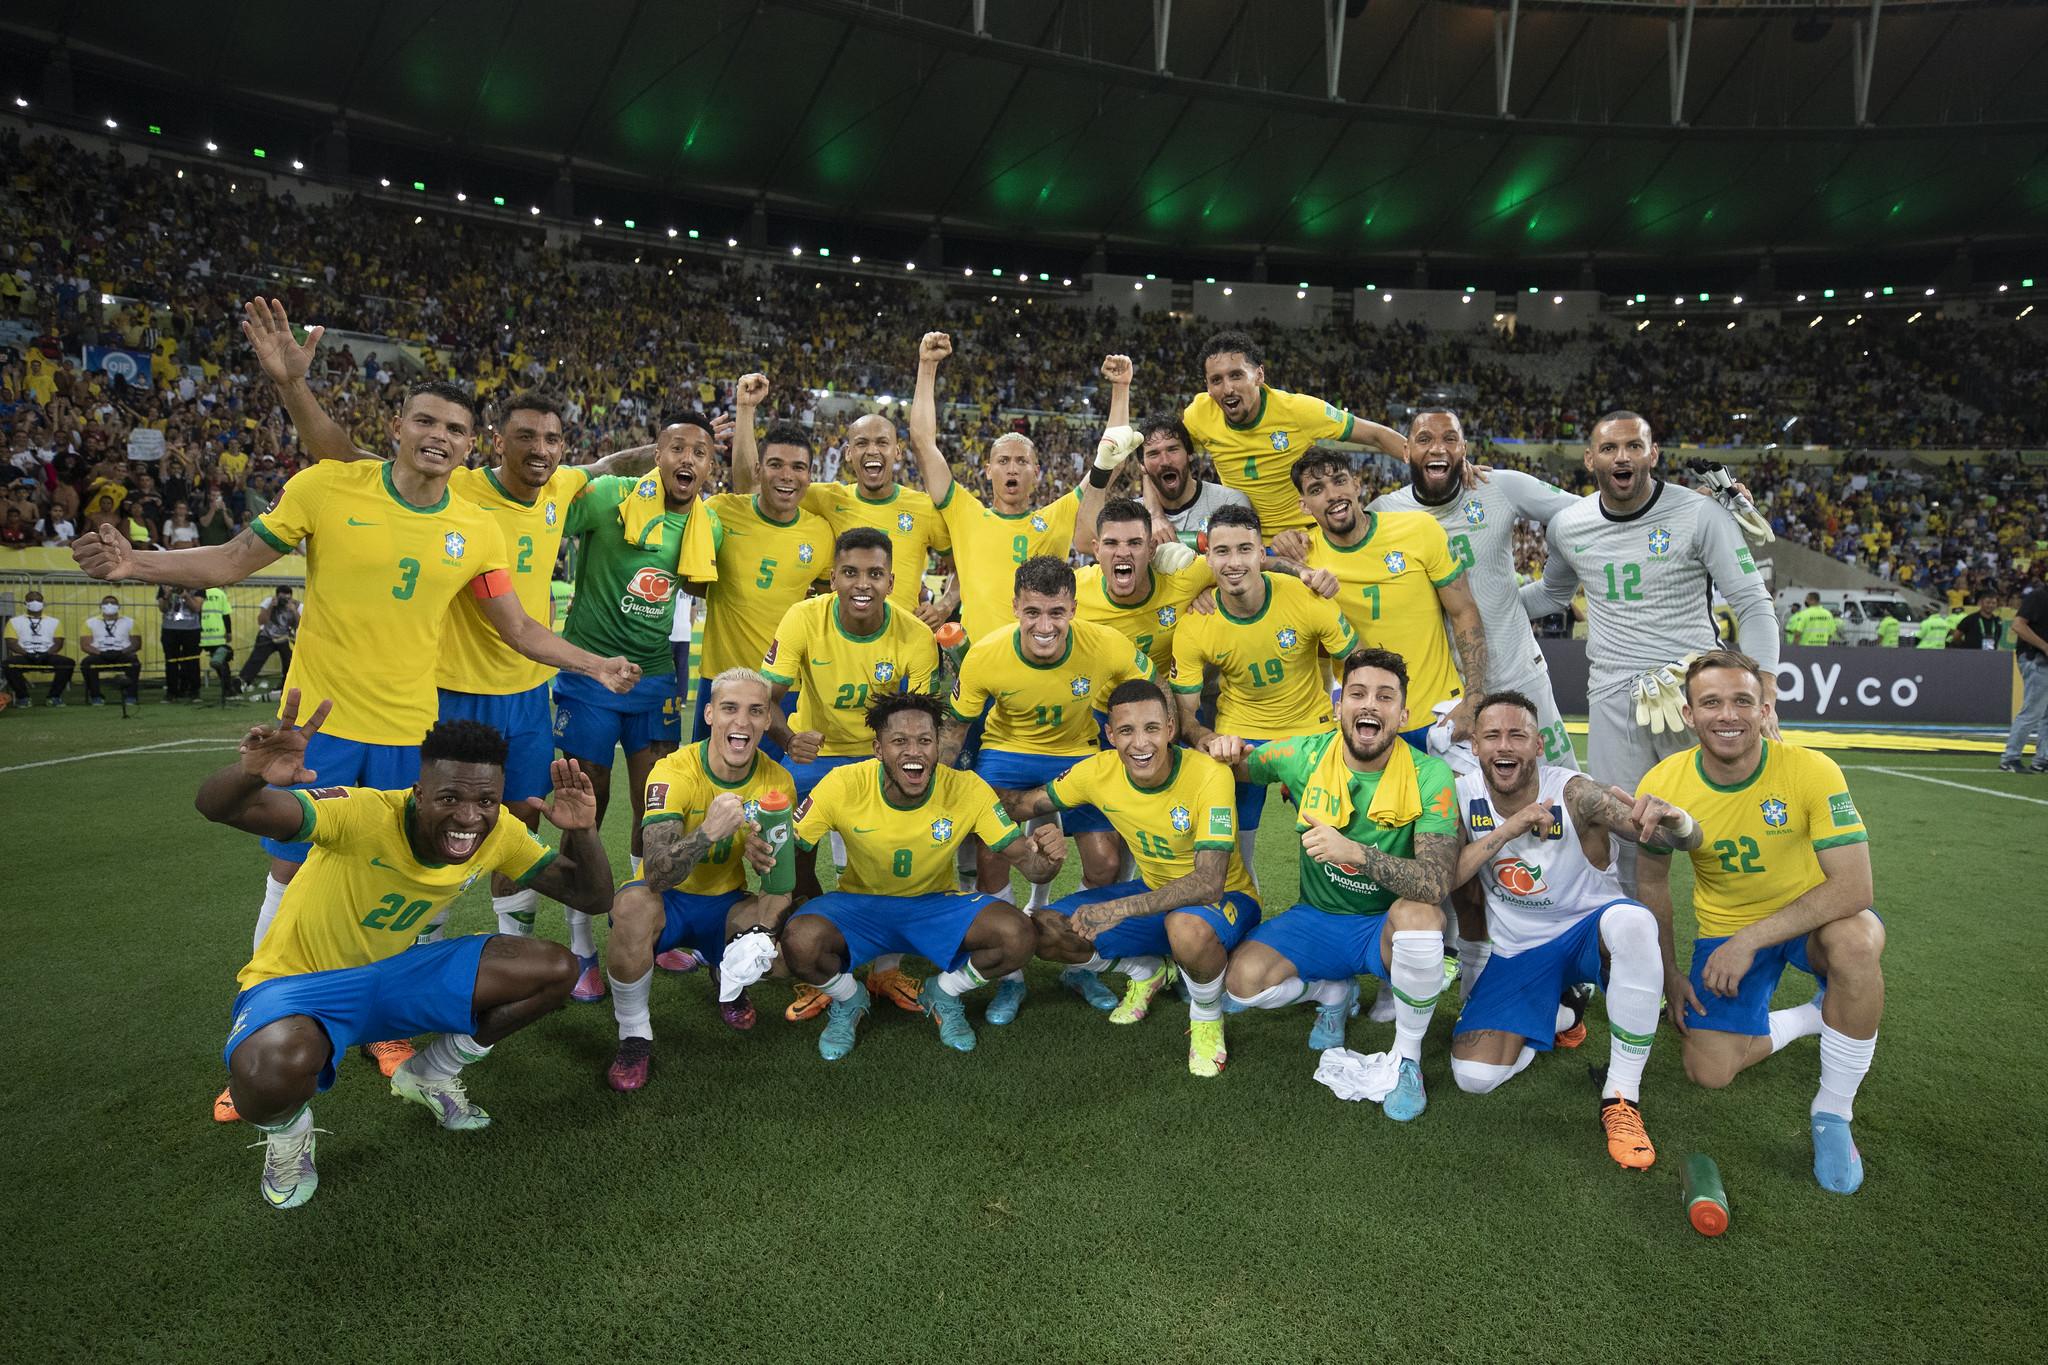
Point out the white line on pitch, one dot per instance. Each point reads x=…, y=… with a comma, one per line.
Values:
x=121, y=753
x=1959, y=786
x=1864, y=767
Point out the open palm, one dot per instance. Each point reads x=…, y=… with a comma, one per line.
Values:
x=277, y=753
x=270, y=332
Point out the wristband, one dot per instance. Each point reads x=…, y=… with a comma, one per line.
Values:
x=1098, y=477
x=1685, y=830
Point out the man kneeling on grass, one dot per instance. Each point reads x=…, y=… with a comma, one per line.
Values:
x=339, y=962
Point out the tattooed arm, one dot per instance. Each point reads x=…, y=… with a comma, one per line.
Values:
x=1480, y=852
x=1203, y=886
x=1426, y=877
x=671, y=853
x=1645, y=820
x=1027, y=805
x=1468, y=633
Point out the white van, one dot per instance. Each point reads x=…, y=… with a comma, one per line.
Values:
x=1858, y=609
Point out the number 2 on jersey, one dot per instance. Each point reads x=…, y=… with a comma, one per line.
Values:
x=525, y=563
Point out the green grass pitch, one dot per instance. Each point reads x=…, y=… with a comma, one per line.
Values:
x=1065, y=1192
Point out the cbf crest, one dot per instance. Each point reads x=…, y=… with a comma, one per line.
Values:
x=1775, y=814
x=804, y=553
x=1038, y=523
x=1396, y=561
x=942, y=830
x=752, y=809
x=1660, y=542
x=905, y=522
x=1475, y=513
x=454, y=544
x=1182, y=821
x=547, y=514
x=1080, y=687
x=1167, y=616
x=884, y=671
x=1286, y=637
x=1279, y=439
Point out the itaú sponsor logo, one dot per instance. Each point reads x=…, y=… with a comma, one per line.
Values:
x=650, y=593
x=1825, y=686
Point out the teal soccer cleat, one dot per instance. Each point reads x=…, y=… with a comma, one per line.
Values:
x=1090, y=986
x=1837, y=1165
x=1331, y=1019
x=1409, y=1099
x=1009, y=999
x=954, y=1030
x=841, y=1018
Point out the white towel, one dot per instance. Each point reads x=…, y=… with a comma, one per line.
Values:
x=1356, y=1076
x=747, y=960
x=1458, y=755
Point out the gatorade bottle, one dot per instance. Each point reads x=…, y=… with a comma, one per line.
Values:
x=775, y=828
x=1706, y=1203
x=952, y=640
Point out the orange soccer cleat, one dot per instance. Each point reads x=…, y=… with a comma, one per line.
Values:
x=810, y=1002
x=895, y=987
x=224, y=1107
x=388, y=1055
x=1627, y=1142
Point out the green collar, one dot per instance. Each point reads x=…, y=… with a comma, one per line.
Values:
x=1171, y=773
x=399, y=498
x=1372, y=524
x=1699, y=763
x=1017, y=643
x=1257, y=417
x=772, y=521
x=895, y=492
x=1151, y=580
x=882, y=785
x=505, y=492
x=840, y=626
x=704, y=761
x=1234, y=619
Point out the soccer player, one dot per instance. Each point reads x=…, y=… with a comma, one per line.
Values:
x=1129, y=588
x=1254, y=433
x=905, y=815
x=1540, y=840
x=1379, y=850
x=1264, y=640
x=840, y=651
x=875, y=499
x=1174, y=495
x=1400, y=588
x=701, y=826
x=1192, y=898
x=1480, y=524
x=1783, y=879
x=1650, y=557
x=340, y=962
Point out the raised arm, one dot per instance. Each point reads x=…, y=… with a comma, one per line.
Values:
x=747, y=397
x=1384, y=439
x=1203, y=885
x=543, y=646
x=580, y=875
x=285, y=363
x=1109, y=452
x=249, y=794
x=1647, y=820
x=106, y=554
x=1426, y=877
x=924, y=416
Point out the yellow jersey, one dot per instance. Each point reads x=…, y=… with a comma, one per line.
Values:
x=765, y=567
x=680, y=787
x=473, y=656
x=988, y=546
x=914, y=527
x=1762, y=834
x=362, y=895
x=1258, y=458
x=1387, y=586
x=1195, y=808
x=1148, y=624
x=1048, y=708
x=837, y=674
x=380, y=577
x=1271, y=682
x=902, y=850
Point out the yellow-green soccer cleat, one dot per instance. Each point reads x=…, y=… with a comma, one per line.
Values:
x=1138, y=994
x=289, y=1178
x=1206, y=1054
x=450, y=1103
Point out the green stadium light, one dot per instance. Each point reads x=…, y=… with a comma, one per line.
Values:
x=1887, y=289
x=499, y=200
x=1211, y=279
x=629, y=222
x=154, y=129
x=259, y=150
x=1532, y=288
x=824, y=251
x=1703, y=298
x=1827, y=293
x=419, y=184
x=2026, y=284
x=693, y=233
x=1642, y=298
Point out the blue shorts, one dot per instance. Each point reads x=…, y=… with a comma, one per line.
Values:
x=1523, y=997
x=694, y=922
x=1232, y=918
x=970, y=745
x=1418, y=740
x=932, y=926
x=338, y=762
x=523, y=719
x=591, y=720
x=1251, y=796
x=1326, y=947
x=1007, y=770
x=809, y=775
x=1749, y=1011
x=428, y=988
x=701, y=728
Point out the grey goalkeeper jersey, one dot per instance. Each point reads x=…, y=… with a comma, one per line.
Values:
x=1481, y=525
x=1650, y=579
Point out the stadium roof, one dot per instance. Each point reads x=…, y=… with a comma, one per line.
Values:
x=1527, y=131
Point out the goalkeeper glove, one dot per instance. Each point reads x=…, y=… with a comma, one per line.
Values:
x=1659, y=694
x=1720, y=484
x=1115, y=447
x=1172, y=557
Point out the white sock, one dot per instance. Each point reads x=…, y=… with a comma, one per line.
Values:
x=1273, y=997
x=1417, y=973
x=1205, y=997
x=960, y=982
x=1326, y=992
x=582, y=941
x=1480, y=1078
x=1016, y=976
x=446, y=1055
x=291, y=1127
x=1800, y=1021
x=1844, y=1061
x=636, y=868
x=1097, y=963
x=842, y=987
x=1247, y=842
x=1039, y=899
x=273, y=896
x=515, y=912
x=838, y=851
x=1139, y=968
x=630, y=1005
x=1565, y=1020
x=432, y=933
x=1382, y=1011
x=887, y=962
x=1472, y=959
x=1635, y=987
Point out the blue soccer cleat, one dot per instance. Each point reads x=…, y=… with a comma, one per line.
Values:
x=1837, y=1165
x=1331, y=1019
x=1090, y=986
x=841, y=1018
x=954, y=1030
x=1009, y=999
x=1408, y=1099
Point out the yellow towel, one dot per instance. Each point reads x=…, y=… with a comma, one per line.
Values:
x=1395, y=802
x=640, y=516
x=698, y=561
x=641, y=512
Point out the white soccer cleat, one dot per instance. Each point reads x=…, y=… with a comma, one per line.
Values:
x=449, y=1101
x=289, y=1177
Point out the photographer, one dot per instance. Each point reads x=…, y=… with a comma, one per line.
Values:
x=277, y=625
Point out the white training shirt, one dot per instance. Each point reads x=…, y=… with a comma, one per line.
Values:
x=1542, y=883
x=112, y=637
x=36, y=634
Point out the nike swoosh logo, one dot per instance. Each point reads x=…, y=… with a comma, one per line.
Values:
x=858, y=830
x=1580, y=549
x=353, y=522
x=379, y=862
x=821, y=663
x=1011, y=693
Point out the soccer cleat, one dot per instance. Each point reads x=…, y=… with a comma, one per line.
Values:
x=388, y=1055
x=1450, y=970
x=1627, y=1142
x=895, y=987
x=738, y=1013
x=629, y=1066
x=450, y=1103
x=810, y=1002
x=224, y=1110
x=1009, y=999
x=590, y=982
x=1574, y=998
x=1408, y=1098
x=1331, y=1019
x=1206, y=1054
x=954, y=1030
x=679, y=960
x=289, y=1178
x=1138, y=995
x=1837, y=1165
x=1090, y=986
x=841, y=1019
